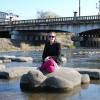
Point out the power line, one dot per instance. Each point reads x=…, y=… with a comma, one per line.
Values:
x=79, y=8
x=98, y=7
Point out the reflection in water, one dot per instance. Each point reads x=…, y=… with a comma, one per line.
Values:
x=10, y=90
x=12, y=96
x=84, y=92
x=85, y=86
x=9, y=85
x=54, y=96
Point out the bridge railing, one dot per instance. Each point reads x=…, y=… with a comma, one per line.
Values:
x=53, y=20
x=44, y=20
x=60, y=19
x=96, y=17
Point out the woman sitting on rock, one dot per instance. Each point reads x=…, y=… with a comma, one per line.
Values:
x=51, y=54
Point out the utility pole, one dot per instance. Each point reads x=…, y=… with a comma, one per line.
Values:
x=79, y=8
x=98, y=7
x=11, y=15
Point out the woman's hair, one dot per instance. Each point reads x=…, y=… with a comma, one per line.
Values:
x=52, y=33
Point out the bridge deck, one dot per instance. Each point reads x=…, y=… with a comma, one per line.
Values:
x=60, y=20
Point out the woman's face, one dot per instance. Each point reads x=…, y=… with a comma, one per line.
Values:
x=52, y=37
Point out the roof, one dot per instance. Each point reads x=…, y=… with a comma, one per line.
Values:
x=3, y=12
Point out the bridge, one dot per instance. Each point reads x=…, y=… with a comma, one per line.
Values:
x=87, y=28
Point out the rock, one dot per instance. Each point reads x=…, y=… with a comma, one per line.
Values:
x=23, y=59
x=57, y=84
x=68, y=74
x=93, y=73
x=32, y=80
x=63, y=79
x=14, y=72
x=6, y=60
x=8, y=57
x=1, y=61
x=4, y=57
x=4, y=75
x=85, y=79
x=2, y=67
x=64, y=59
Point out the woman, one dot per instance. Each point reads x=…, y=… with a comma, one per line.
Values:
x=51, y=55
x=52, y=49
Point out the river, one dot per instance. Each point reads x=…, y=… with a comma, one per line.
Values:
x=10, y=89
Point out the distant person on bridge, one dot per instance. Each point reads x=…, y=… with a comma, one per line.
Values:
x=51, y=54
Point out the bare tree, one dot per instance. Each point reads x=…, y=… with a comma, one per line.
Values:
x=46, y=14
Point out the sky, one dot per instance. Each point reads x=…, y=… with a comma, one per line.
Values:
x=27, y=9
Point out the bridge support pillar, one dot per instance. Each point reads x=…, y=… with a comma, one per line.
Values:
x=15, y=35
x=29, y=37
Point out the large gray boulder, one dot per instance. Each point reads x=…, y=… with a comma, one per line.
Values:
x=56, y=83
x=62, y=79
x=32, y=80
x=68, y=74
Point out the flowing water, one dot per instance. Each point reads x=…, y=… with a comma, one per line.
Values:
x=10, y=89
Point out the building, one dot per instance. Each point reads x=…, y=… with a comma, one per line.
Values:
x=3, y=16
x=12, y=16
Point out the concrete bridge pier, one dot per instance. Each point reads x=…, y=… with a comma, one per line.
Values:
x=29, y=37
x=90, y=40
x=14, y=35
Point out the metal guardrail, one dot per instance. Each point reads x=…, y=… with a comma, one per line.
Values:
x=53, y=20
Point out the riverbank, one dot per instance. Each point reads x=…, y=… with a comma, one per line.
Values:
x=8, y=45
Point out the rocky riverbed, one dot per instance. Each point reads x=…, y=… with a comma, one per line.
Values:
x=11, y=90
x=63, y=79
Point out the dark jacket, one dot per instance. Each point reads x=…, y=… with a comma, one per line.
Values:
x=53, y=50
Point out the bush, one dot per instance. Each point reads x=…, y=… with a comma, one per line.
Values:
x=71, y=47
